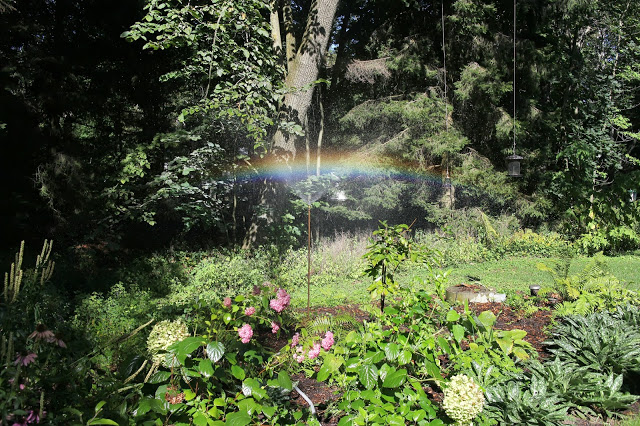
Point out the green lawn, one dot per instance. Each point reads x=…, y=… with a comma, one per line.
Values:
x=502, y=275
x=519, y=273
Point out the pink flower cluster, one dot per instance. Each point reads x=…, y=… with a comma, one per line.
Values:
x=250, y=311
x=274, y=327
x=314, y=351
x=246, y=333
x=227, y=302
x=295, y=340
x=328, y=341
x=326, y=344
x=281, y=301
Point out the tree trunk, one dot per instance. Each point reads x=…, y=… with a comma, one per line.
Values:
x=304, y=70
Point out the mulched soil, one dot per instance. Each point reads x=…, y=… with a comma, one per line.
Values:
x=536, y=325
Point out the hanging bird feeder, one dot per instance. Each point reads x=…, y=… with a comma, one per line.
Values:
x=513, y=165
x=513, y=161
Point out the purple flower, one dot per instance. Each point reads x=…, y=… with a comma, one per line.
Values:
x=246, y=333
x=41, y=332
x=274, y=327
x=328, y=341
x=314, y=351
x=25, y=359
x=227, y=302
x=57, y=339
x=32, y=416
x=250, y=311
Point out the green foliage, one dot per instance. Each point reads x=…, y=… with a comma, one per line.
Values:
x=514, y=402
x=229, y=58
x=599, y=342
x=485, y=338
x=593, y=289
x=522, y=306
x=527, y=242
x=104, y=319
x=389, y=248
x=226, y=275
x=382, y=367
x=219, y=374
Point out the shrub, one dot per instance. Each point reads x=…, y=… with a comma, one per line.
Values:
x=463, y=399
x=103, y=319
x=527, y=242
x=218, y=276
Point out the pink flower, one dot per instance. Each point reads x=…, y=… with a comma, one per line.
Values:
x=33, y=417
x=25, y=359
x=57, y=339
x=274, y=327
x=246, y=333
x=227, y=302
x=315, y=351
x=295, y=339
x=276, y=305
x=41, y=332
x=250, y=311
x=22, y=386
x=283, y=296
x=328, y=341
x=281, y=301
x=299, y=358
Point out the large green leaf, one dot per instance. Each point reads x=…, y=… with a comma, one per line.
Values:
x=368, y=374
x=284, y=381
x=395, y=378
x=205, y=367
x=215, y=351
x=330, y=365
x=487, y=319
x=241, y=418
x=238, y=372
x=391, y=350
x=185, y=347
x=458, y=332
x=251, y=387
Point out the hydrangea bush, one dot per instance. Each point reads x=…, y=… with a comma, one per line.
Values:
x=164, y=334
x=463, y=399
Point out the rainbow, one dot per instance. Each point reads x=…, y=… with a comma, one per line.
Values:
x=342, y=166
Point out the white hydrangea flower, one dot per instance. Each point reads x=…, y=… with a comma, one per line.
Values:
x=463, y=399
x=164, y=334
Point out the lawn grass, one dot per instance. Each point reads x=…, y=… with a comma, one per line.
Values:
x=519, y=273
x=504, y=275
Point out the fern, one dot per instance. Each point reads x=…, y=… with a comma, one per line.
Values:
x=336, y=324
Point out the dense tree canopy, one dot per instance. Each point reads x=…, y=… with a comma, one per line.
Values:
x=145, y=118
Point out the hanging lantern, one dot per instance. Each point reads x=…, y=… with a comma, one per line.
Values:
x=513, y=165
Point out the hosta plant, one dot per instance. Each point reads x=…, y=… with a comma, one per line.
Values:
x=599, y=342
x=522, y=402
